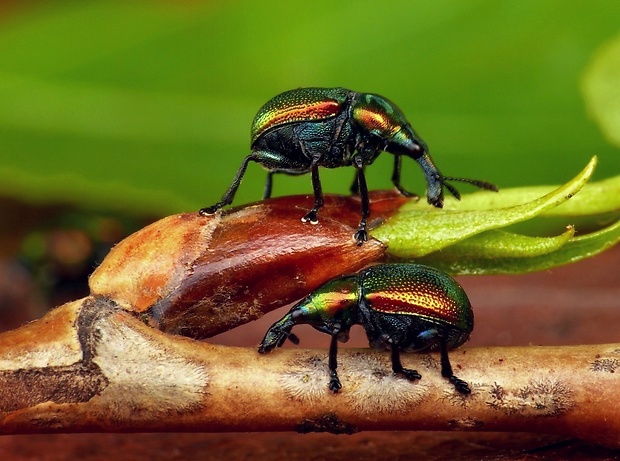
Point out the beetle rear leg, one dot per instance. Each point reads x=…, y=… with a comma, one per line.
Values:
x=396, y=178
x=334, y=381
x=446, y=371
x=397, y=366
x=232, y=190
x=268, y=185
x=312, y=215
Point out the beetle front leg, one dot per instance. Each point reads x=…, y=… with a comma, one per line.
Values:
x=311, y=216
x=362, y=233
x=397, y=366
x=355, y=186
x=232, y=190
x=334, y=381
x=446, y=370
x=396, y=178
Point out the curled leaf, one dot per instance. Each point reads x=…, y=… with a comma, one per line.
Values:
x=418, y=230
x=459, y=259
x=495, y=244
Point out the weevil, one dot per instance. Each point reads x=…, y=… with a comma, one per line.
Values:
x=402, y=307
x=300, y=130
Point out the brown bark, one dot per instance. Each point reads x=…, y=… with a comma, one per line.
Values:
x=90, y=366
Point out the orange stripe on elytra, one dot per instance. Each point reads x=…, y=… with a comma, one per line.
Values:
x=318, y=111
x=413, y=303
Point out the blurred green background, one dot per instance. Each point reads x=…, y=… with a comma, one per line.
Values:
x=146, y=106
x=141, y=109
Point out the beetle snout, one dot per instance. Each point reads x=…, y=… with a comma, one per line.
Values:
x=434, y=192
x=409, y=147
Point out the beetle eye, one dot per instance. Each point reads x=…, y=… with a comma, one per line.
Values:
x=417, y=147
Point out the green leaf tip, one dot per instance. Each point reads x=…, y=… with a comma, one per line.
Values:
x=564, y=249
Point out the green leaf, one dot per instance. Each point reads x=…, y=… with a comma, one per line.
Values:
x=593, y=199
x=418, y=230
x=501, y=244
x=564, y=249
x=601, y=90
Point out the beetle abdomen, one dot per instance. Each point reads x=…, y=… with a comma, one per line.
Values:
x=299, y=105
x=419, y=291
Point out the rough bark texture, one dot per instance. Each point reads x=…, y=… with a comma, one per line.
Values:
x=94, y=367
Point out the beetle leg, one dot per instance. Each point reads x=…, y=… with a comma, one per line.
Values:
x=268, y=185
x=396, y=178
x=232, y=190
x=311, y=216
x=362, y=234
x=446, y=370
x=334, y=381
x=355, y=187
x=397, y=366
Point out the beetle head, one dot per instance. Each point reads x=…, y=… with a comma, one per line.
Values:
x=382, y=120
x=385, y=125
x=277, y=334
x=331, y=307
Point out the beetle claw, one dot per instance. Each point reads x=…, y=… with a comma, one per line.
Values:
x=361, y=236
x=404, y=192
x=311, y=217
x=411, y=375
x=334, y=384
x=207, y=211
x=460, y=385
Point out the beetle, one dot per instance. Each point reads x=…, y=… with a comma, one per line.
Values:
x=303, y=129
x=402, y=307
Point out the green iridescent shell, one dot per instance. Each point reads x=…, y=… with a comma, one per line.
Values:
x=299, y=105
x=412, y=289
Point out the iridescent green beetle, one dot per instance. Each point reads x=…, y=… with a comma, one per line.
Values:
x=300, y=130
x=402, y=307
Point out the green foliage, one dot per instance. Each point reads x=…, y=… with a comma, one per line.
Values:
x=601, y=89
x=468, y=238
x=145, y=107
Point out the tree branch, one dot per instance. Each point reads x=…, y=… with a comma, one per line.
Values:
x=111, y=362
x=90, y=366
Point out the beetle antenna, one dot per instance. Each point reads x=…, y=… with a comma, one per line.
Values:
x=455, y=193
x=474, y=182
x=292, y=337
